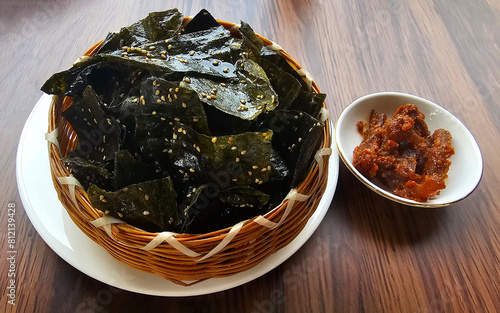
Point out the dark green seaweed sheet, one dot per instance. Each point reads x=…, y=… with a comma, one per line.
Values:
x=90, y=173
x=244, y=196
x=172, y=102
x=207, y=208
x=286, y=86
x=243, y=159
x=244, y=98
x=129, y=169
x=308, y=102
x=156, y=26
x=251, y=44
x=296, y=136
x=209, y=44
x=201, y=21
x=148, y=205
x=98, y=133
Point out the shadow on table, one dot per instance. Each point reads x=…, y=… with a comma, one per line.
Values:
x=374, y=217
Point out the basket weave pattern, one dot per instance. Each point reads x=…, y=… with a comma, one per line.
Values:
x=210, y=255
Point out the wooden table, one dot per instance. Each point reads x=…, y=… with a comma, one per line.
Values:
x=368, y=254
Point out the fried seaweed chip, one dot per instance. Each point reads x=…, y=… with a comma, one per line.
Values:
x=172, y=103
x=208, y=208
x=308, y=102
x=280, y=171
x=205, y=52
x=244, y=98
x=289, y=85
x=149, y=205
x=201, y=21
x=276, y=58
x=98, y=133
x=296, y=135
x=90, y=173
x=156, y=26
x=201, y=210
x=244, y=196
x=251, y=44
x=208, y=44
x=201, y=158
x=158, y=151
x=107, y=80
x=129, y=169
x=286, y=85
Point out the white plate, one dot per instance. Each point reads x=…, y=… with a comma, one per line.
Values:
x=56, y=228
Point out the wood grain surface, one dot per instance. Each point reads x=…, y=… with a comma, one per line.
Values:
x=368, y=254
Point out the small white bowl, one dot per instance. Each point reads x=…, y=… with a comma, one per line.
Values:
x=466, y=164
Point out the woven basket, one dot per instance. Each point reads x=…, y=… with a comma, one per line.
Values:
x=186, y=259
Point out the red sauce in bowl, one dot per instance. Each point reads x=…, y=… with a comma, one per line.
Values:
x=403, y=155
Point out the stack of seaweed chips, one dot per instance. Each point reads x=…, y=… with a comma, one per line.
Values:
x=187, y=128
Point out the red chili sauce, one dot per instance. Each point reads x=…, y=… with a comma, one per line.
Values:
x=403, y=155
